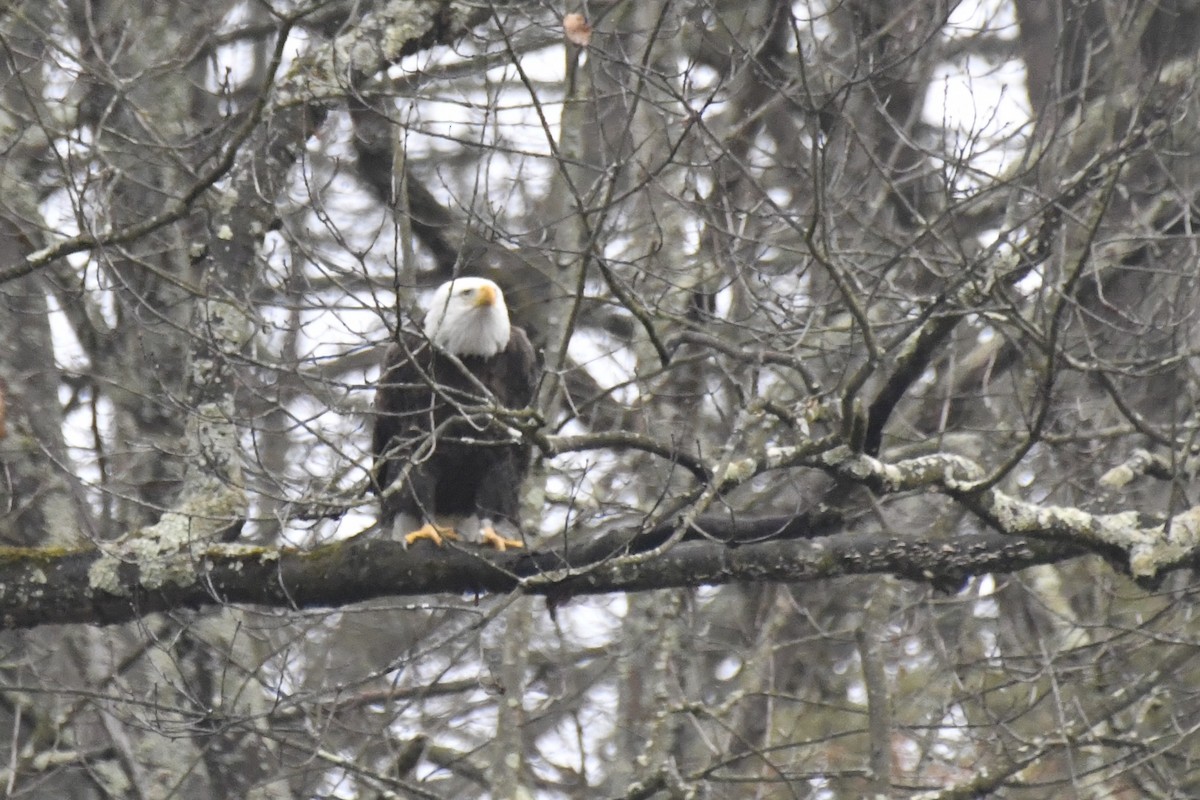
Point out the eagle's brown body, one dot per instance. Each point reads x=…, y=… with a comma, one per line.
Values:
x=442, y=464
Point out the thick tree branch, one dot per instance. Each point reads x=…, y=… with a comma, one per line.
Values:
x=43, y=586
x=1148, y=545
x=140, y=576
x=153, y=571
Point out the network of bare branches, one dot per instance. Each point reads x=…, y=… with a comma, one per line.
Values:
x=864, y=448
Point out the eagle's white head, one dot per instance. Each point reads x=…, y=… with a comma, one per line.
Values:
x=468, y=317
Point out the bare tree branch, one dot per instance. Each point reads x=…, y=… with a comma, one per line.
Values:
x=54, y=587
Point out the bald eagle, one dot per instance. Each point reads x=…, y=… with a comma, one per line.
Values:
x=439, y=462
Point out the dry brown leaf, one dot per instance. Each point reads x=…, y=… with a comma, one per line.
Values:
x=577, y=29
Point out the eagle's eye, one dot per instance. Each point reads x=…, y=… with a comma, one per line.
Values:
x=465, y=291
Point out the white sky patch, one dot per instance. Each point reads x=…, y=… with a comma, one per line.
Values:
x=335, y=330
x=328, y=444
x=981, y=106
x=528, y=177
x=780, y=195
x=555, y=518
x=728, y=668
x=723, y=301
x=595, y=725
x=986, y=608
x=425, y=60
x=444, y=126
x=792, y=286
x=972, y=17
x=100, y=298
x=517, y=161
x=699, y=79
x=351, y=523
x=298, y=43
x=691, y=228
x=68, y=352
x=276, y=252
x=1030, y=284
x=462, y=732
x=79, y=439
x=61, y=71
x=311, y=417
x=621, y=248
x=342, y=224
x=337, y=782
x=575, y=475
x=988, y=237
x=982, y=109
x=232, y=65
x=58, y=209
x=443, y=123
x=607, y=364
x=815, y=17
x=594, y=622
x=953, y=725
x=548, y=65
x=702, y=185
x=597, y=721
x=906, y=752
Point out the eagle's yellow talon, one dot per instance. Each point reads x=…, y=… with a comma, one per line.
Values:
x=434, y=533
x=489, y=536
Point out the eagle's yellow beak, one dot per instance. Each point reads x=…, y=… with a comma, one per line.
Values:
x=485, y=296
